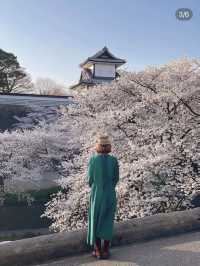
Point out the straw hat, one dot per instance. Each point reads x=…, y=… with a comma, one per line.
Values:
x=103, y=140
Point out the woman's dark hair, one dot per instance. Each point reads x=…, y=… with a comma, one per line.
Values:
x=103, y=148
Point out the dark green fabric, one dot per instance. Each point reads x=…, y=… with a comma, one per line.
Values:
x=102, y=177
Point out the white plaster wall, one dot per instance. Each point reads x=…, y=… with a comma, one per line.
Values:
x=104, y=70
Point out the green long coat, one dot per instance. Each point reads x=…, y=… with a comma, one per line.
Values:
x=102, y=177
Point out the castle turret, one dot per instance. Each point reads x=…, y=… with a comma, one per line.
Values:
x=99, y=68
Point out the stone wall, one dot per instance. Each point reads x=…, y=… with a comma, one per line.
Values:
x=43, y=248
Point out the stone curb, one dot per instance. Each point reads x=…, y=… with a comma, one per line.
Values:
x=43, y=248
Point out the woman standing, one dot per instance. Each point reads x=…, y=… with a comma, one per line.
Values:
x=102, y=177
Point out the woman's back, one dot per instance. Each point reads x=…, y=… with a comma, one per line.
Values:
x=104, y=168
x=102, y=177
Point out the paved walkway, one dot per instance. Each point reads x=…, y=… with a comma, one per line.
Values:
x=182, y=250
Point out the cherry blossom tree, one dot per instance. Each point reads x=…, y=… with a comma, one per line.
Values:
x=153, y=118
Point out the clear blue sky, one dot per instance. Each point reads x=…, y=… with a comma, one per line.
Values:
x=51, y=37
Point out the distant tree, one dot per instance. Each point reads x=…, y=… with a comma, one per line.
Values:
x=13, y=78
x=47, y=86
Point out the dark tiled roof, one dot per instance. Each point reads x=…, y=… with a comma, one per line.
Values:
x=86, y=74
x=103, y=55
x=33, y=95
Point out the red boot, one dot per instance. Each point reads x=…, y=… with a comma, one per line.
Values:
x=97, y=249
x=106, y=252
